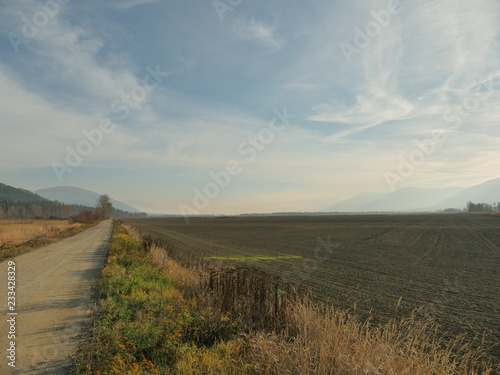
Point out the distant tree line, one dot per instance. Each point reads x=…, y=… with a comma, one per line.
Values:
x=55, y=210
x=34, y=210
x=483, y=207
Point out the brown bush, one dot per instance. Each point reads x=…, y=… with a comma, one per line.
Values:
x=85, y=217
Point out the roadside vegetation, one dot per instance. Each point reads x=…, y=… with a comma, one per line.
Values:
x=157, y=317
x=20, y=236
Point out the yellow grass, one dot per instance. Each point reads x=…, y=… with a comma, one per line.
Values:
x=328, y=341
x=132, y=232
x=181, y=277
x=15, y=232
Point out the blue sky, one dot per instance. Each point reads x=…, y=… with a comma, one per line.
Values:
x=346, y=97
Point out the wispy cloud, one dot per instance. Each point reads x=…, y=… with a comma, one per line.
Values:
x=75, y=59
x=368, y=112
x=35, y=120
x=133, y=3
x=302, y=86
x=259, y=31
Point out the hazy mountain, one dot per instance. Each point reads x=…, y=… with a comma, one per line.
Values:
x=487, y=192
x=409, y=199
x=16, y=195
x=405, y=199
x=75, y=195
x=352, y=204
x=333, y=201
x=146, y=207
x=17, y=203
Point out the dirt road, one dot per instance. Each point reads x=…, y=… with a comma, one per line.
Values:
x=53, y=299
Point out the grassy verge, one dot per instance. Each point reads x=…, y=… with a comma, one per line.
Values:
x=145, y=325
x=52, y=236
x=156, y=317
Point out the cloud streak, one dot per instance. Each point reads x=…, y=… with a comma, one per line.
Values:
x=125, y=5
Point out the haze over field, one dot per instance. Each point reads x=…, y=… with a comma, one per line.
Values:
x=207, y=107
x=402, y=200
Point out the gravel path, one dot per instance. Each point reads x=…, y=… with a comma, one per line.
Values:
x=53, y=300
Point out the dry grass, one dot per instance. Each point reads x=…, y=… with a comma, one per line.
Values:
x=15, y=232
x=133, y=232
x=181, y=277
x=327, y=341
x=257, y=299
x=287, y=335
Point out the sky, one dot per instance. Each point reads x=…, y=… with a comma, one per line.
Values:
x=232, y=106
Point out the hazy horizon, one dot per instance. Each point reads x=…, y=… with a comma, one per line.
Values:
x=256, y=106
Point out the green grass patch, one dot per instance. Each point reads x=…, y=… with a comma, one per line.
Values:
x=253, y=259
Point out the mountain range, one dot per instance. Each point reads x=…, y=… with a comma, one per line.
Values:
x=413, y=199
x=79, y=196
x=487, y=192
x=148, y=207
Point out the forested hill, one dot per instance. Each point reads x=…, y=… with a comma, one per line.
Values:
x=16, y=195
x=16, y=203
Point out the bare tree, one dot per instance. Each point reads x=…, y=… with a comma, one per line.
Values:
x=103, y=207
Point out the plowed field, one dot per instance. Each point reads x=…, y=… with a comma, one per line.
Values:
x=447, y=265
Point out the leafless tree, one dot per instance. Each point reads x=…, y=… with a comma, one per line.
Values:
x=103, y=207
